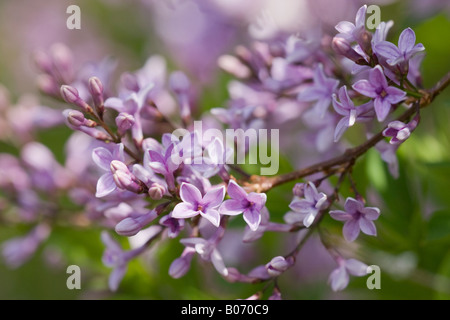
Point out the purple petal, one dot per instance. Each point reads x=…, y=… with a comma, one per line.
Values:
x=309, y=218
x=407, y=40
x=252, y=218
x=365, y=88
x=355, y=267
x=351, y=230
x=102, y=158
x=344, y=97
x=339, y=107
x=382, y=108
x=339, y=279
x=190, y=194
x=300, y=205
x=361, y=17
x=214, y=197
x=341, y=127
x=377, y=77
x=371, y=213
x=367, y=227
x=212, y=215
x=116, y=277
x=310, y=93
x=258, y=200
x=340, y=215
x=235, y=191
x=395, y=95
x=184, y=211
x=353, y=206
x=115, y=103
x=105, y=185
x=417, y=48
x=345, y=27
x=387, y=50
x=218, y=263
x=232, y=207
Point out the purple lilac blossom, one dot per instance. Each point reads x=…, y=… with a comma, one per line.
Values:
x=195, y=204
x=357, y=218
x=378, y=89
x=340, y=278
x=249, y=204
x=309, y=206
x=103, y=158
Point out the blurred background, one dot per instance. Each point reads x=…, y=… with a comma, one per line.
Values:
x=412, y=247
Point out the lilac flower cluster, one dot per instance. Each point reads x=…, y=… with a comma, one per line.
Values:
x=128, y=170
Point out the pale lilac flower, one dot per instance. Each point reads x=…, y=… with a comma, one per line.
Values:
x=162, y=162
x=174, y=226
x=352, y=31
x=207, y=250
x=357, y=218
x=321, y=91
x=17, y=251
x=213, y=160
x=195, y=204
x=115, y=257
x=406, y=49
x=350, y=113
x=399, y=131
x=103, y=158
x=249, y=204
x=377, y=88
x=340, y=277
x=310, y=205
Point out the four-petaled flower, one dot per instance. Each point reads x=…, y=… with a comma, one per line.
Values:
x=310, y=205
x=357, y=218
x=406, y=49
x=321, y=91
x=103, y=158
x=339, y=277
x=249, y=204
x=377, y=88
x=194, y=204
x=350, y=113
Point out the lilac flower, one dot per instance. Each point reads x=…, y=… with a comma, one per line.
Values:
x=310, y=205
x=321, y=91
x=115, y=257
x=207, y=250
x=174, y=226
x=339, y=277
x=17, y=251
x=351, y=31
x=377, y=88
x=357, y=218
x=213, y=159
x=124, y=179
x=103, y=158
x=351, y=113
x=399, y=131
x=162, y=163
x=406, y=48
x=249, y=204
x=194, y=204
x=132, y=105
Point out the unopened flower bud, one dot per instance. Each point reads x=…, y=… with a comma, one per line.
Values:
x=96, y=91
x=278, y=265
x=181, y=265
x=124, y=122
x=342, y=46
x=156, y=191
x=299, y=190
x=71, y=95
x=62, y=61
x=130, y=226
x=124, y=179
x=47, y=85
x=42, y=61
